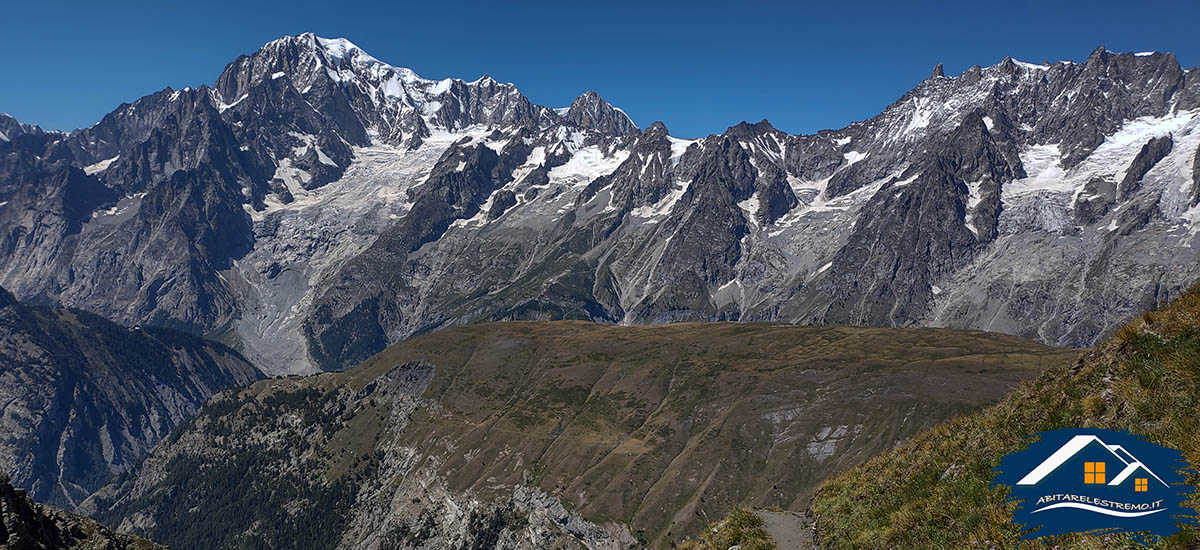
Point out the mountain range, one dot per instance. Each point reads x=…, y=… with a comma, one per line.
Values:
x=315, y=205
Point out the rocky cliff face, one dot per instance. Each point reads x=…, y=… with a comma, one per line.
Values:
x=316, y=204
x=83, y=399
x=554, y=434
x=27, y=525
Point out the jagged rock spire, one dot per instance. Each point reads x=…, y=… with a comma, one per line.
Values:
x=590, y=111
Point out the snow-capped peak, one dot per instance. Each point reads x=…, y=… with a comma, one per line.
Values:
x=339, y=47
x=335, y=48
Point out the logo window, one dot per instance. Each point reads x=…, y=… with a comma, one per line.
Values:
x=1141, y=485
x=1093, y=473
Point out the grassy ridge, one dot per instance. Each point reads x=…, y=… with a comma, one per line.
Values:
x=657, y=429
x=935, y=491
x=662, y=427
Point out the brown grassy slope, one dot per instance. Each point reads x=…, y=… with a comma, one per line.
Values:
x=665, y=428
x=935, y=491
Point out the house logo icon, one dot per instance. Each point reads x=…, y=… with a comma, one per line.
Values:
x=1092, y=480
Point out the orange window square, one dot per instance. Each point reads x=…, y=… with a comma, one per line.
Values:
x=1093, y=473
x=1141, y=485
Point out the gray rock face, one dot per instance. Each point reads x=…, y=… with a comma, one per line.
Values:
x=1097, y=199
x=875, y=270
x=317, y=204
x=504, y=200
x=1196, y=178
x=84, y=399
x=151, y=236
x=1153, y=151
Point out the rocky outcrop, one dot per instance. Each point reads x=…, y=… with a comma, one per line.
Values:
x=1196, y=178
x=144, y=243
x=1153, y=151
x=27, y=525
x=501, y=202
x=1097, y=199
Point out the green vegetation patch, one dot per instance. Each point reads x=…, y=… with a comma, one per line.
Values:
x=742, y=529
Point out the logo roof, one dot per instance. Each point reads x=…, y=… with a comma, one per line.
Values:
x=1076, y=444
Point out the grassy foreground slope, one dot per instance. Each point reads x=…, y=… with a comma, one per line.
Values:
x=934, y=492
x=473, y=435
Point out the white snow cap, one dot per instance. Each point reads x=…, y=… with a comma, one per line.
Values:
x=335, y=47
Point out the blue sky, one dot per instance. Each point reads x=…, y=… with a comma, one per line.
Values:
x=698, y=66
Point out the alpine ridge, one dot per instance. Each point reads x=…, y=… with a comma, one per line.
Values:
x=317, y=204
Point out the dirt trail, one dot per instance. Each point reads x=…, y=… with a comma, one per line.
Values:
x=789, y=530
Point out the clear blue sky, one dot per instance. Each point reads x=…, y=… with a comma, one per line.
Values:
x=699, y=67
